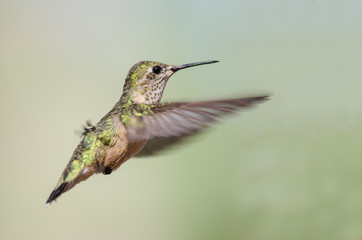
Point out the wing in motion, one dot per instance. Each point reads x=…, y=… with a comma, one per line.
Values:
x=172, y=122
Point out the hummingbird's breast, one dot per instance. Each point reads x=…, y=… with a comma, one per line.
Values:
x=120, y=148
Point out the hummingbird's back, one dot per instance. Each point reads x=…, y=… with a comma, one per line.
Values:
x=103, y=148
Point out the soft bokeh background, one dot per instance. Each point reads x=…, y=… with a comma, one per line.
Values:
x=289, y=169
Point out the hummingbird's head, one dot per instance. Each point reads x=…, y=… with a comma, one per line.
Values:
x=146, y=80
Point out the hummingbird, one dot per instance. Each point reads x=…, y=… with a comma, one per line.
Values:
x=140, y=124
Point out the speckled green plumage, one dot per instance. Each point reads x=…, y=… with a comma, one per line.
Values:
x=131, y=110
x=103, y=135
x=91, y=148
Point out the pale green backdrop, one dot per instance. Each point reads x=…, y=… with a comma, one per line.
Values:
x=289, y=169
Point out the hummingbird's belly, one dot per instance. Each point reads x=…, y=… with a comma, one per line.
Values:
x=121, y=151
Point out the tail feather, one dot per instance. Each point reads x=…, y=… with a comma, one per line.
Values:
x=57, y=192
x=65, y=184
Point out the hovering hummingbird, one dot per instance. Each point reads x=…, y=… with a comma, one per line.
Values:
x=139, y=123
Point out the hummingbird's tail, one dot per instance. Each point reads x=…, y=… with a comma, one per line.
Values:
x=56, y=193
x=64, y=184
x=75, y=172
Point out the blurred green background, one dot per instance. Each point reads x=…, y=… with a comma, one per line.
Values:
x=289, y=169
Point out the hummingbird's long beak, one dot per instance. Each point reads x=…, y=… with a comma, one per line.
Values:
x=176, y=68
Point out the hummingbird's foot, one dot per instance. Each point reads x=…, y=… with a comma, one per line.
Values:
x=107, y=171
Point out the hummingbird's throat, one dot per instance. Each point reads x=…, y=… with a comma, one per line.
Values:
x=148, y=93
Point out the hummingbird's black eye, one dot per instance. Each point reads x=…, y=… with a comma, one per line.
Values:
x=156, y=69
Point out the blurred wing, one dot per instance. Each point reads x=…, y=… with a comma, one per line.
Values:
x=170, y=123
x=157, y=145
